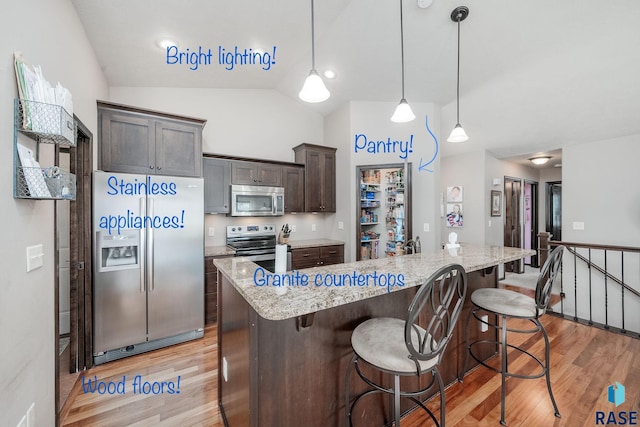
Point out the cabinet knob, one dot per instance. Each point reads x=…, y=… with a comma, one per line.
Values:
x=158, y=167
x=150, y=167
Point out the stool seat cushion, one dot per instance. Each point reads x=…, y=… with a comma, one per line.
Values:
x=505, y=302
x=380, y=341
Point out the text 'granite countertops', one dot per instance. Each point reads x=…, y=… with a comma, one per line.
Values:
x=334, y=285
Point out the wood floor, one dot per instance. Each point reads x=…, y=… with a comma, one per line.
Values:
x=585, y=361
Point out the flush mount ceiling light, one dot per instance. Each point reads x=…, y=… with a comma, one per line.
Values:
x=313, y=89
x=403, y=111
x=458, y=134
x=540, y=160
x=165, y=43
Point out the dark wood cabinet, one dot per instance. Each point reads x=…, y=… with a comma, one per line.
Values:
x=319, y=177
x=217, y=176
x=211, y=289
x=293, y=183
x=316, y=256
x=134, y=140
x=250, y=173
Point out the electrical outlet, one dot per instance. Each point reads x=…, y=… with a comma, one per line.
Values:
x=489, y=223
x=225, y=368
x=212, y=231
x=484, y=326
x=578, y=225
x=313, y=227
x=35, y=257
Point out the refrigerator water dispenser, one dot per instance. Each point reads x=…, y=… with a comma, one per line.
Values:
x=118, y=252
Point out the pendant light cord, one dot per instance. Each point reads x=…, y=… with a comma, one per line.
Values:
x=402, y=47
x=313, y=48
x=458, y=78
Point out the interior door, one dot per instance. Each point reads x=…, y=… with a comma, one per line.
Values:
x=513, y=220
x=530, y=221
x=554, y=210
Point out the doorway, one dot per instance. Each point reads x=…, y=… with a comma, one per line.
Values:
x=554, y=210
x=73, y=267
x=513, y=220
x=530, y=221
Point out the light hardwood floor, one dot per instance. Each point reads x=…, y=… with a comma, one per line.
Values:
x=585, y=361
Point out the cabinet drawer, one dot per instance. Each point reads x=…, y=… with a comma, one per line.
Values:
x=335, y=251
x=305, y=254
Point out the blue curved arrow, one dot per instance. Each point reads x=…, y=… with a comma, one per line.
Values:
x=422, y=166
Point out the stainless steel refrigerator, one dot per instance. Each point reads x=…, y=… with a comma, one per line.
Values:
x=148, y=263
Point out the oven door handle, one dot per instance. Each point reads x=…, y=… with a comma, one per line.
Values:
x=265, y=257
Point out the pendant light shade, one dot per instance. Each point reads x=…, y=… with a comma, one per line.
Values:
x=403, y=111
x=313, y=89
x=458, y=134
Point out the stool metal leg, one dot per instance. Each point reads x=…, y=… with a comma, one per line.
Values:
x=547, y=367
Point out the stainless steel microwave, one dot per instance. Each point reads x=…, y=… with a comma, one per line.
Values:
x=254, y=200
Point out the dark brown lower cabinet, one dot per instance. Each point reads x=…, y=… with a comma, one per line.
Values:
x=280, y=373
x=316, y=256
x=210, y=290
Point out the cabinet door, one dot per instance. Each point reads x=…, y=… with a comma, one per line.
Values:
x=178, y=148
x=328, y=186
x=313, y=182
x=250, y=173
x=269, y=175
x=305, y=258
x=293, y=182
x=243, y=173
x=126, y=143
x=216, y=185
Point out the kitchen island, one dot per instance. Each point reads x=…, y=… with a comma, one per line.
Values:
x=284, y=340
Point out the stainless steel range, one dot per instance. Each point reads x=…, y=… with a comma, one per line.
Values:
x=257, y=243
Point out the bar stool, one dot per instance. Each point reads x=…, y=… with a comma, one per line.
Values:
x=506, y=304
x=401, y=347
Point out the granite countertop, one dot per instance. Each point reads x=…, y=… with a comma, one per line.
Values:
x=312, y=243
x=346, y=283
x=220, y=250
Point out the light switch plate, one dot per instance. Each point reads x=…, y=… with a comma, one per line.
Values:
x=212, y=231
x=35, y=257
x=340, y=225
x=425, y=227
x=578, y=225
x=313, y=227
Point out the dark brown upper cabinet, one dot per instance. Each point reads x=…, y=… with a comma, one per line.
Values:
x=217, y=194
x=250, y=173
x=134, y=140
x=293, y=183
x=319, y=176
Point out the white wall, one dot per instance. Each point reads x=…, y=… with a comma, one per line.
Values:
x=52, y=37
x=600, y=189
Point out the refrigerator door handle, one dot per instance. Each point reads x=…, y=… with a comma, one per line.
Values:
x=150, y=248
x=142, y=248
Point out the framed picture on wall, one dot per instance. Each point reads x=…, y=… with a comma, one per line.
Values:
x=454, y=215
x=496, y=203
x=454, y=194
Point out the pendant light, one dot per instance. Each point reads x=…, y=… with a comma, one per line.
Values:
x=458, y=134
x=403, y=111
x=313, y=89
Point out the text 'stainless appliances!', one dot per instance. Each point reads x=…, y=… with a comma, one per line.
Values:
x=148, y=263
x=257, y=243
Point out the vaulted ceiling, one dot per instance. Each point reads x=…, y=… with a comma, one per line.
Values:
x=535, y=75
